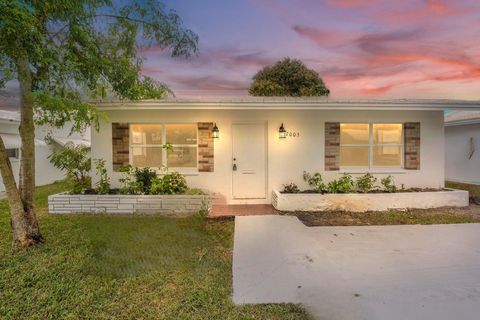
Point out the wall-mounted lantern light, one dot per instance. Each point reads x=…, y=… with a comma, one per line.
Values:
x=215, y=131
x=282, y=133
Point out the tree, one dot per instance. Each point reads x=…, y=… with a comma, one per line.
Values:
x=63, y=52
x=288, y=77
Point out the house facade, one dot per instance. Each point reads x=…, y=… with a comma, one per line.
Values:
x=45, y=172
x=253, y=156
x=462, y=146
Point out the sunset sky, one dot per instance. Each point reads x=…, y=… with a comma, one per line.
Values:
x=361, y=48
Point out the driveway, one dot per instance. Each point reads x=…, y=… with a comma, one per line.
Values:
x=373, y=272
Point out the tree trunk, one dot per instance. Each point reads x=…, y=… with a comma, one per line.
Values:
x=26, y=231
x=27, y=135
x=24, y=225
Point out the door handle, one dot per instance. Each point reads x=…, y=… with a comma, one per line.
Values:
x=234, y=167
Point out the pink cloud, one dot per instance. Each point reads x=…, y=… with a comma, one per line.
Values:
x=376, y=90
x=439, y=7
x=224, y=56
x=359, y=47
x=377, y=63
x=428, y=11
x=323, y=37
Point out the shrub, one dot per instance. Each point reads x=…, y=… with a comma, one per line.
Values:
x=195, y=192
x=332, y=186
x=174, y=183
x=144, y=177
x=170, y=183
x=343, y=185
x=202, y=214
x=389, y=184
x=130, y=185
x=290, y=188
x=103, y=184
x=365, y=183
x=145, y=181
x=76, y=164
x=156, y=186
x=315, y=182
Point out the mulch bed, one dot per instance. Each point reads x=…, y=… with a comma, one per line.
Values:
x=470, y=214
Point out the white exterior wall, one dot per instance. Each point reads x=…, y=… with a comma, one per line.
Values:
x=457, y=149
x=287, y=158
x=45, y=172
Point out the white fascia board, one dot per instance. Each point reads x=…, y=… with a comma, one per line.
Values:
x=294, y=105
x=462, y=122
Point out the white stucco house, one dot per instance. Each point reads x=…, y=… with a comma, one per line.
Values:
x=462, y=146
x=243, y=149
x=45, y=172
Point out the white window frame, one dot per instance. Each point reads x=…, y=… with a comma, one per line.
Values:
x=371, y=145
x=183, y=170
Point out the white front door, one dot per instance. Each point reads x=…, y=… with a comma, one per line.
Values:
x=249, y=161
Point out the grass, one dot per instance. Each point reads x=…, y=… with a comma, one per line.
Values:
x=473, y=189
x=124, y=267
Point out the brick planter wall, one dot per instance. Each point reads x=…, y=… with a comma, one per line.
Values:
x=118, y=204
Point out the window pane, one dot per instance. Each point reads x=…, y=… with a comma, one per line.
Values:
x=354, y=133
x=182, y=133
x=387, y=156
x=12, y=153
x=147, y=157
x=387, y=133
x=182, y=157
x=146, y=133
x=354, y=156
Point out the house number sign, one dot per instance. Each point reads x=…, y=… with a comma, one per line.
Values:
x=293, y=134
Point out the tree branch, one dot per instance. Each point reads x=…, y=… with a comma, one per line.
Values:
x=123, y=17
x=59, y=31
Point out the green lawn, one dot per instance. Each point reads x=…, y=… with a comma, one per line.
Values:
x=123, y=267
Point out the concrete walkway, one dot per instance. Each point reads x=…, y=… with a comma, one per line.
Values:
x=378, y=272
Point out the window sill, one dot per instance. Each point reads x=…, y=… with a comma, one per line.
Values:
x=375, y=171
x=182, y=172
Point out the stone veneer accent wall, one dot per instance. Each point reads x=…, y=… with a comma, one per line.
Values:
x=120, y=145
x=205, y=147
x=127, y=204
x=412, y=145
x=332, y=146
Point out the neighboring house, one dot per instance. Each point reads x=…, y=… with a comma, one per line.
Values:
x=250, y=158
x=45, y=172
x=462, y=146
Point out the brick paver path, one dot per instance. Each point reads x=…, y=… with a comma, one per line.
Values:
x=242, y=210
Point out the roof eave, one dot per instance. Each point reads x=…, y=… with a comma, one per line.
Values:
x=461, y=122
x=294, y=105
